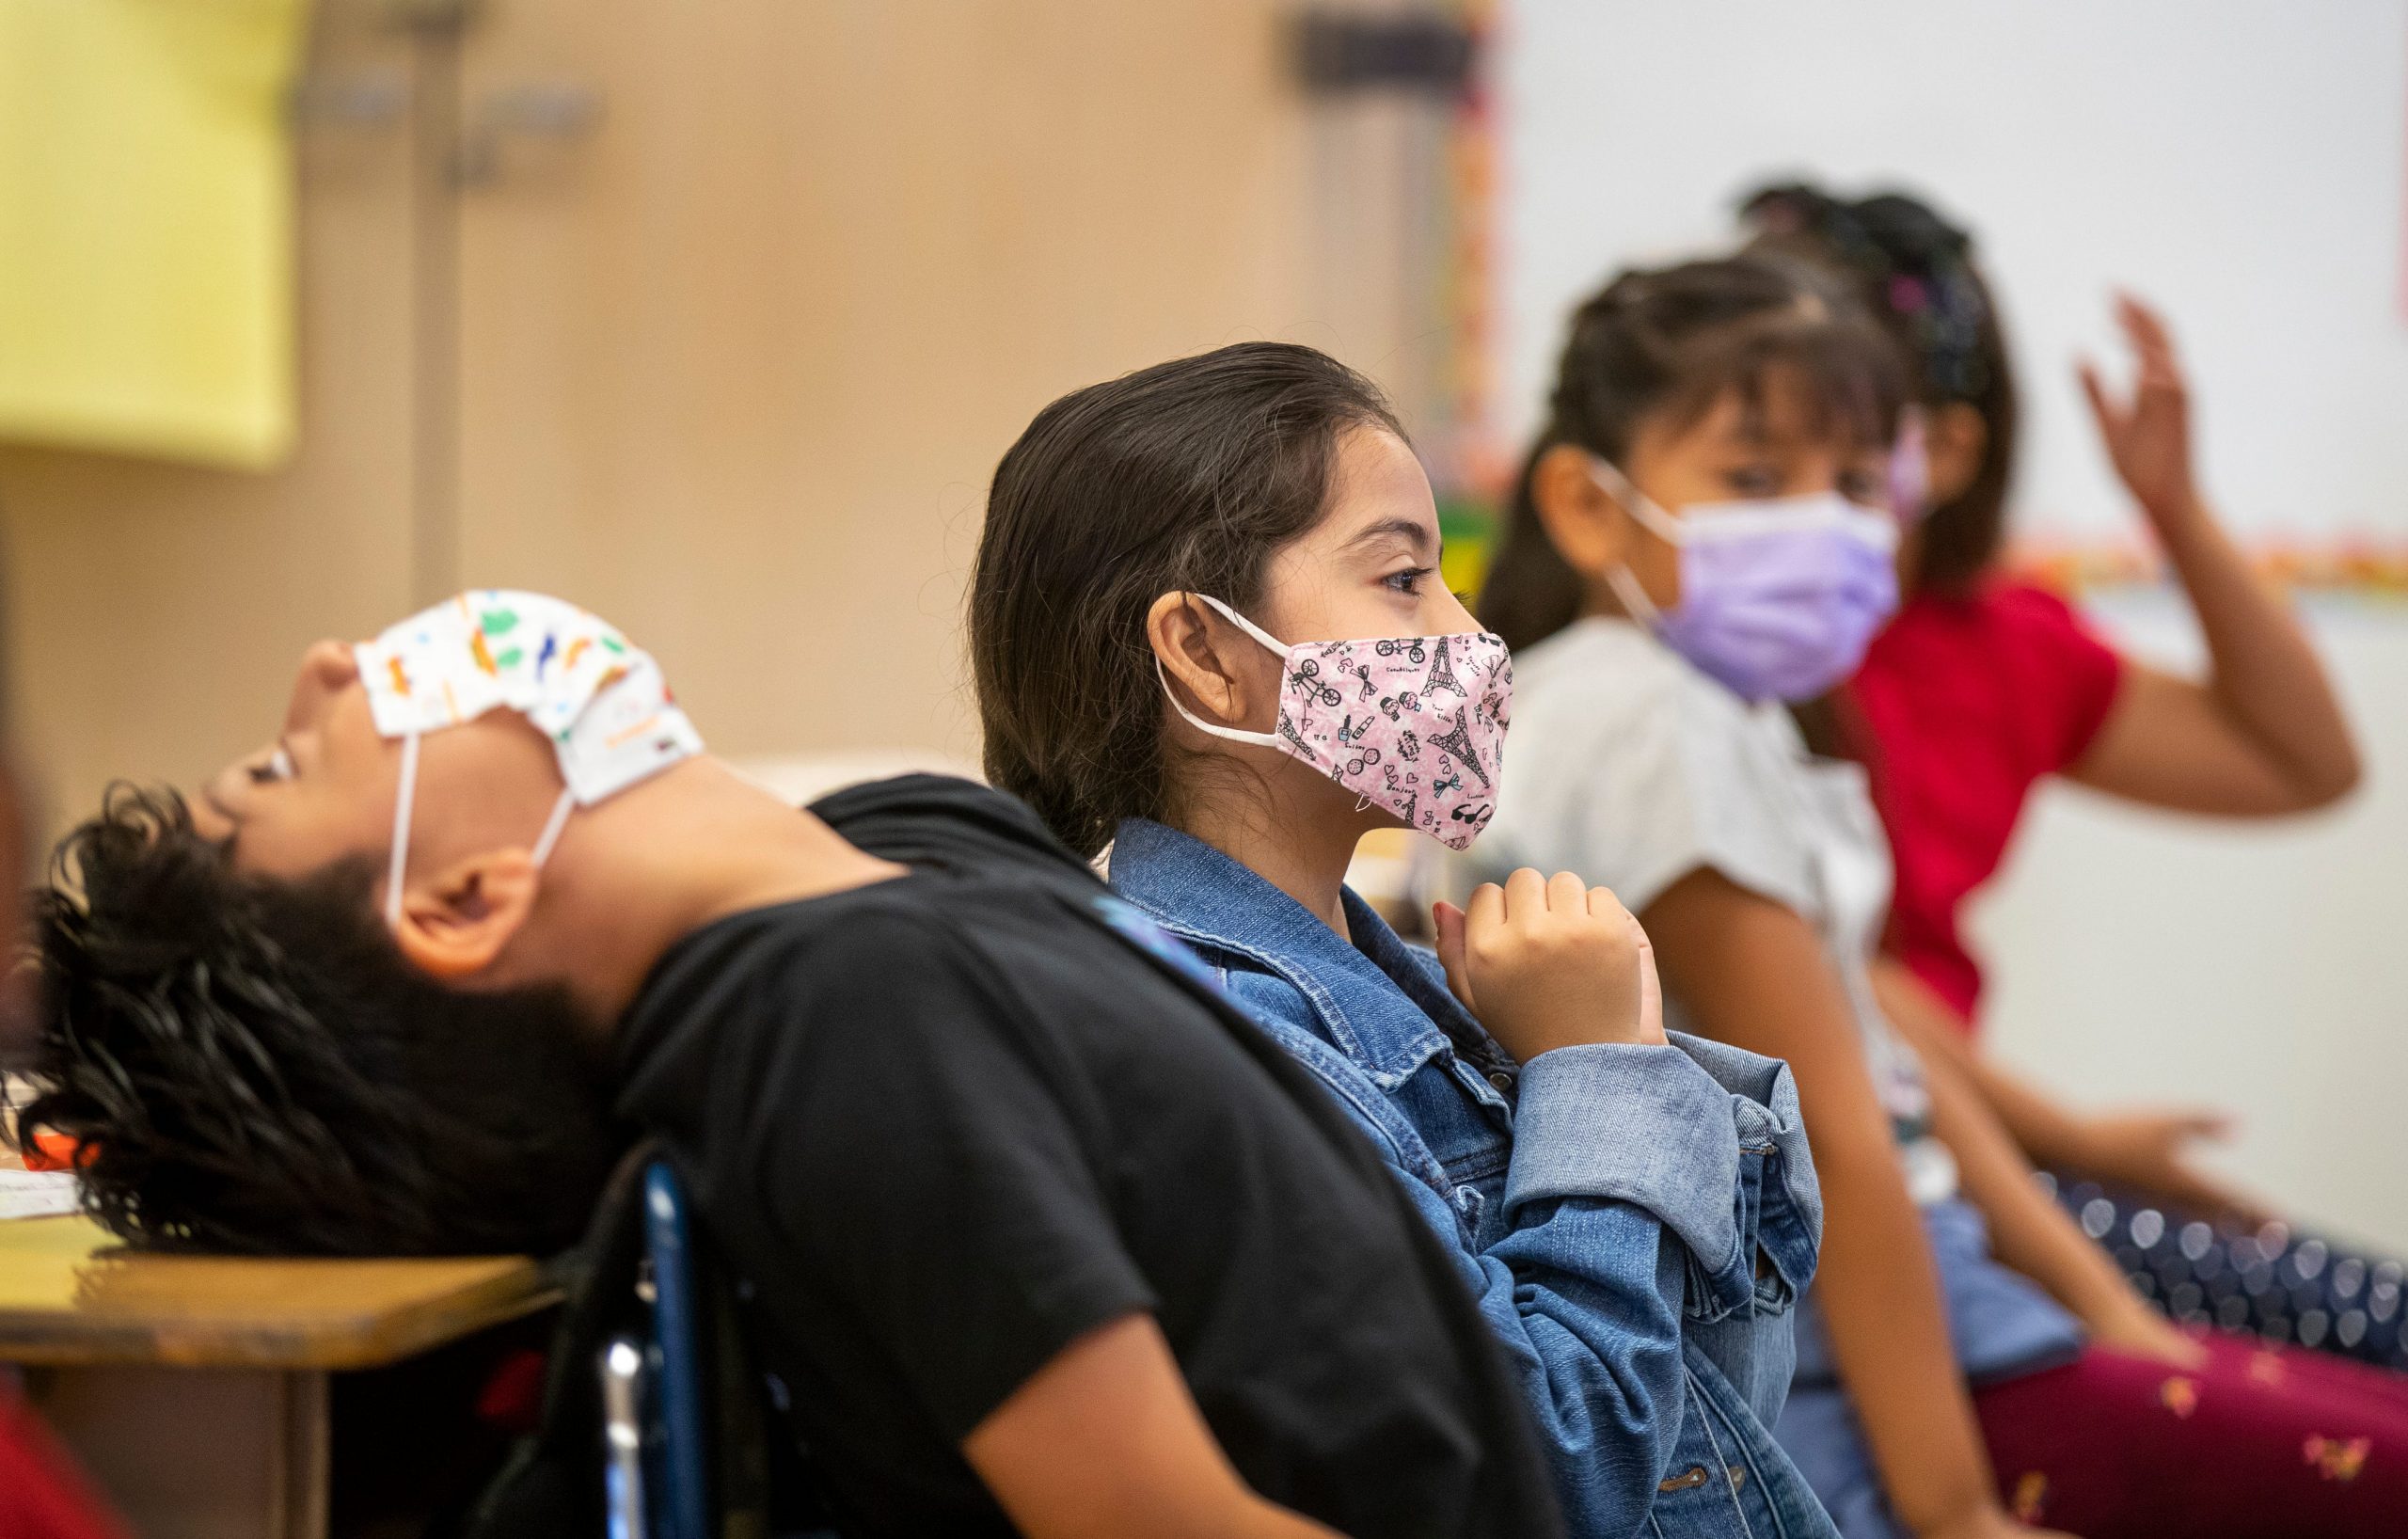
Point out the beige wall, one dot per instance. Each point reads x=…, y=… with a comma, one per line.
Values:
x=737, y=373
x=733, y=363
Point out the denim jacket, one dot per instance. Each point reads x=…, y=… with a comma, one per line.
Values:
x=1635, y=1221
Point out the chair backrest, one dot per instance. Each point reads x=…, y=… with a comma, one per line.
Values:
x=675, y=1445
x=678, y=1425
x=705, y=1454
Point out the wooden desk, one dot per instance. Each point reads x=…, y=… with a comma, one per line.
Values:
x=195, y=1387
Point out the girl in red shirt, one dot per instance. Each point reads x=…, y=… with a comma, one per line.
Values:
x=1984, y=684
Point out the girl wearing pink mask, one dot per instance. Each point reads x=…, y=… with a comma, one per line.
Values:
x=1209, y=632
x=1699, y=551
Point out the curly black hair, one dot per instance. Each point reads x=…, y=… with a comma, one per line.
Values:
x=250, y=1064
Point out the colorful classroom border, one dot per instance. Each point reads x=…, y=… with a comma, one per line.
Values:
x=2360, y=565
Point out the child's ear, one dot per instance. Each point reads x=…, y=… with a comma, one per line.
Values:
x=1582, y=520
x=454, y=922
x=1191, y=649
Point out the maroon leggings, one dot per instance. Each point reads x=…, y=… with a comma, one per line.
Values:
x=2257, y=1443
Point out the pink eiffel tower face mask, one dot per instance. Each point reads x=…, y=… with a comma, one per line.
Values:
x=1415, y=724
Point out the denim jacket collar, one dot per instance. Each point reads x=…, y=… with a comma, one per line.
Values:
x=1215, y=901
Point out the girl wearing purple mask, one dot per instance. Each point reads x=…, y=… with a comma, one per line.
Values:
x=1208, y=632
x=1986, y=684
x=1697, y=551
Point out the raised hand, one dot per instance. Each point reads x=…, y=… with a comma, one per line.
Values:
x=1547, y=963
x=2148, y=433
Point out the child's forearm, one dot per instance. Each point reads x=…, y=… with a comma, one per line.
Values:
x=2262, y=670
x=2028, y=1231
x=2048, y=1134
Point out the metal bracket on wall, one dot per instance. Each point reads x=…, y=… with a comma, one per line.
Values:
x=363, y=98
x=1338, y=52
x=556, y=111
x=436, y=16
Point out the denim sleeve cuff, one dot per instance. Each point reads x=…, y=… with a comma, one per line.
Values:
x=1631, y=1122
x=1787, y=1201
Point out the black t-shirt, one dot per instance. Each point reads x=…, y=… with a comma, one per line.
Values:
x=942, y=1126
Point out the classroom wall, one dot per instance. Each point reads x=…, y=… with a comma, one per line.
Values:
x=2243, y=164
x=2147, y=955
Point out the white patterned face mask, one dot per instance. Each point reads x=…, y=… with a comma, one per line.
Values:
x=602, y=702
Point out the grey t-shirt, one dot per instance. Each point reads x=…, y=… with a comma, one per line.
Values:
x=1632, y=767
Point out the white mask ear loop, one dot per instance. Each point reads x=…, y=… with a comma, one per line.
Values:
x=1235, y=734
x=1634, y=597
x=1645, y=509
x=406, y=800
x=404, y=796
x=552, y=826
x=1650, y=517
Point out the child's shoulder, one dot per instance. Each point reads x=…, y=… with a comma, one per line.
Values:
x=1592, y=669
x=1611, y=683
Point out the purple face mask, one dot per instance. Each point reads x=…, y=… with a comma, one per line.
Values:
x=1778, y=598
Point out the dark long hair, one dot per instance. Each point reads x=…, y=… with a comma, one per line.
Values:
x=1674, y=341
x=1914, y=271
x=252, y=1064
x=1186, y=476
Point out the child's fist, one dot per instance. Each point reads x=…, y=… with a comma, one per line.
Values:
x=1551, y=963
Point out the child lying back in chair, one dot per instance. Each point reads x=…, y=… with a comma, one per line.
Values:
x=1036, y=1233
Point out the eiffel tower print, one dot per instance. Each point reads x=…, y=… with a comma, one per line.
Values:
x=1457, y=740
x=1442, y=673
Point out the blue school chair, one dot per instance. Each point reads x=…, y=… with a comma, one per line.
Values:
x=670, y=1445
x=656, y=1442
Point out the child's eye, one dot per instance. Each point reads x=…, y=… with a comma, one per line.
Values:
x=1753, y=480
x=276, y=766
x=1409, y=580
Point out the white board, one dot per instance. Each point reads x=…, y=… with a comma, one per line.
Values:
x=2241, y=163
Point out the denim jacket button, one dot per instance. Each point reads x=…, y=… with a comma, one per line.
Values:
x=1502, y=1079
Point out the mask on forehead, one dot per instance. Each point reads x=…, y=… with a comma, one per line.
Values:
x=602, y=702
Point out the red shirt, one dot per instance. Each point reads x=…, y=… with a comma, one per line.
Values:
x=1969, y=700
x=42, y=1495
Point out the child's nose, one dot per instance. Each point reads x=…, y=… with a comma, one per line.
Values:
x=328, y=669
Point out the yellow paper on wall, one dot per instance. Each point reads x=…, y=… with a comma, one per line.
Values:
x=146, y=226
